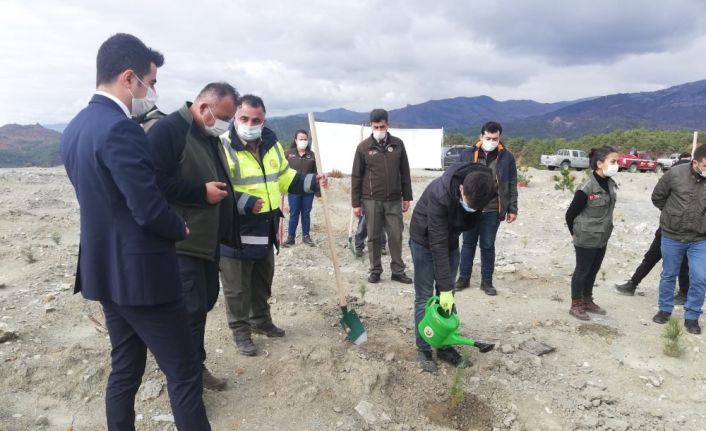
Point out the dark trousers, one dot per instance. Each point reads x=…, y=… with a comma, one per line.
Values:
x=652, y=258
x=164, y=330
x=424, y=283
x=299, y=206
x=199, y=287
x=385, y=215
x=247, y=285
x=588, y=263
x=486, y=230
x=361, y=234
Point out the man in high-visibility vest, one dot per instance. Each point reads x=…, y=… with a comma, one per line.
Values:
x=259, y=173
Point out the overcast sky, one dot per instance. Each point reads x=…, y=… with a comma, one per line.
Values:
x=320, y=54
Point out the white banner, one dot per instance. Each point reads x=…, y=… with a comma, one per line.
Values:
x=337, y=144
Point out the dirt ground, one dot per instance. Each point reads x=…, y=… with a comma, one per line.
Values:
x=606, y=374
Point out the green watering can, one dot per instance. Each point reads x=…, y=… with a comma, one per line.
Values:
x=439, y=329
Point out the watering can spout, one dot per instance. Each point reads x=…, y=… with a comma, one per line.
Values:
x=456, y=339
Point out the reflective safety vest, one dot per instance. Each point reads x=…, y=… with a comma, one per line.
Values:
x=255, y=179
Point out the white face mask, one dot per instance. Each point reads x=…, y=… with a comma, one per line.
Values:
x=144, y=104
x=698, y=169
x=466, y=207
x=610, y=170
x=302, y=144
x=489, y=145
x=249, y=133
x=379, y=135
x=219, y=127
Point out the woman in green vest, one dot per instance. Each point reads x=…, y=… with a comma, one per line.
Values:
x=590, y=221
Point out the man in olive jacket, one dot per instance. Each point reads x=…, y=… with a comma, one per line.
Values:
x=192, y=171
x=381, y=187
x=681, y=196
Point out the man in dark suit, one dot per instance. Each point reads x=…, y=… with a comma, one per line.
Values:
x=127, y=258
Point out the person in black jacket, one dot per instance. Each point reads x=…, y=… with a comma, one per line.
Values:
x=450, y=205
x=303, y=160
x=489, y=151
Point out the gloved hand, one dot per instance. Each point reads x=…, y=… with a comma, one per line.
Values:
x=446, y=300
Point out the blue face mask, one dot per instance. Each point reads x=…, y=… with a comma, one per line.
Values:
x=466, y=207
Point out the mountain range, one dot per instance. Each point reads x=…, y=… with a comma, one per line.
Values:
x=682, y=107
x=31, y=145
x=679, y=107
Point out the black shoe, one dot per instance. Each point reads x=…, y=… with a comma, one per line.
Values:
x=425, y=361
x=288, y=242
x=271, y=331
x=374, y=278
x=308, y=241
x=212, y=382
x=661, y=317
x=383, y=251
x=462, y=283
x=451, y=356
x=359, y=253
x=626, y=288
x=487, y=287
x=692, y=326
x=680, y=298
x=402, y=278
x=246, y=347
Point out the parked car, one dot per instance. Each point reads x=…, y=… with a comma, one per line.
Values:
x=451, y=154
x=638, y=161
x=667, y=163
x=565, y=159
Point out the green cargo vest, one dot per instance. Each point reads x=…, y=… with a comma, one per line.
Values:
x=199, y=166
x=592, y=228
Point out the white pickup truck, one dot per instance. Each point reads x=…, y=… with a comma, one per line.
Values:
x=667, y=163
x=565, y=159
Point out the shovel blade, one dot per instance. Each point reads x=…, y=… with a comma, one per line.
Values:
x=484, y=347
x=353, y=326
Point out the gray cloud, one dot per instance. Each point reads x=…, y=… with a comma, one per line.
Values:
x=318, y=54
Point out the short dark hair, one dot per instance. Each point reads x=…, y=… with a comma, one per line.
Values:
x=121, y=52
x=685, y=155
x=700, y=153
x=377, y=115
x=479, y=187
x=217, y=91
x=599, y=155
x=294, y=139
x=491, y=127
x=251, y=100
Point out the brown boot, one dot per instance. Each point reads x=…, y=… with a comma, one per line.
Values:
x=578, y=309
x=592, y=307
x=212, y=382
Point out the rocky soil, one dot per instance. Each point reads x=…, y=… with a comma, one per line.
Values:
x=606, y=374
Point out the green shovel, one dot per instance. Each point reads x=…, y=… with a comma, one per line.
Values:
x=349, y=320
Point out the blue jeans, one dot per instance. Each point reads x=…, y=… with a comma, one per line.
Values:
x=424, y=286
x=486, y=230
x=299, y=205
x=672, y=254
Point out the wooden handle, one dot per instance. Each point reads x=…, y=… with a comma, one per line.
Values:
x=340, y=294
x=350, y=226
x=693, y=144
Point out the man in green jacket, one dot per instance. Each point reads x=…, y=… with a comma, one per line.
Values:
x=192, y=171
x=681, y=196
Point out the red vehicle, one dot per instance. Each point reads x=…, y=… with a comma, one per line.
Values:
x=637, y=161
